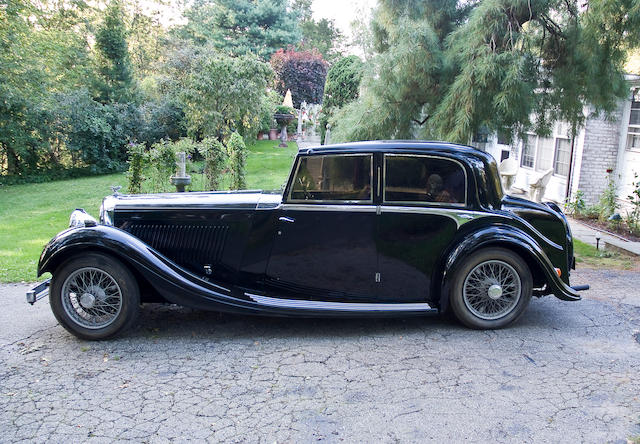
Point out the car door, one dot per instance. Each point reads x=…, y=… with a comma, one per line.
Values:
x=324, y=247
x=419, y=217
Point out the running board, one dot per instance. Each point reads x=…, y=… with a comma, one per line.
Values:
x=355, y=307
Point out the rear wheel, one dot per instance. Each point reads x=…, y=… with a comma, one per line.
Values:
x=94, y=296
x=491, y=289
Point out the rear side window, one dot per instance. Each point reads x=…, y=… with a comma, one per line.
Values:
x=333, y=178
x=423, y=179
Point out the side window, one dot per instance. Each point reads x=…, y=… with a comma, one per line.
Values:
x=418, y=179
x=338, y=178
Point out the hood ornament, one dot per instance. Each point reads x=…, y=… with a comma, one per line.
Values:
x=115, y=189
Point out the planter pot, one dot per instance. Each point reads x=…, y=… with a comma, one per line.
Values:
x=273, y=134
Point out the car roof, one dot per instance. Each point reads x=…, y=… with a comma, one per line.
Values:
x=387, y=146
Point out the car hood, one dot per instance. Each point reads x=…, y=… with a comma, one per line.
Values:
x=241, y=200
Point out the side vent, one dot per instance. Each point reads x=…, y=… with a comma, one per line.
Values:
x=185, y=244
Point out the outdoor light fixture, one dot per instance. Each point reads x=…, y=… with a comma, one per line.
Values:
x=598, y=237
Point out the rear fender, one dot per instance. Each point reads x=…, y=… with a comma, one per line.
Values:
x=509, y=237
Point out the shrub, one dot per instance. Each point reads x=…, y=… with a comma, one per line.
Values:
x=237, y=161
x=162, y=160
x=136, y=166
x=302, y=72
x=213, y=153
x=633, y=216
x=608, y=202
x=576, y=206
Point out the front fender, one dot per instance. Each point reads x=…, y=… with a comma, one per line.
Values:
x=510, y=237
x=172, y=282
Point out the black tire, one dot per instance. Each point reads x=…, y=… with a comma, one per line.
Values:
x=111, y=305
x=477, y=305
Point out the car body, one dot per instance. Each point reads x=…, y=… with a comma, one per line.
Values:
x=361, y=229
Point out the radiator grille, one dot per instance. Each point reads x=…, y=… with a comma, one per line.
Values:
x=184, y=244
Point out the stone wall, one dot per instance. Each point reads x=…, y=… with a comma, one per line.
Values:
x=600, y=152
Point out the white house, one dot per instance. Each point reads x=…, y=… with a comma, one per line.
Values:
x=602, y=148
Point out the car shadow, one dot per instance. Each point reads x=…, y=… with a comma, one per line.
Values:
x=170, y=321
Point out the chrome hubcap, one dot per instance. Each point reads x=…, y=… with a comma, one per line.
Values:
x=87, y=300
x=492, y=290
x=91, y=298
x=495, y=291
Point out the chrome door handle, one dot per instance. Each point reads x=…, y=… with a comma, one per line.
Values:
x=287, y=219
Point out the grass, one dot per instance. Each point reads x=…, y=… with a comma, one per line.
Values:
x=587, y=255
x=31, y=214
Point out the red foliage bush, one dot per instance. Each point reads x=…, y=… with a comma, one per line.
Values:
x=303, y=72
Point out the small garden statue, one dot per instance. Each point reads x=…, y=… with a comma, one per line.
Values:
x=181, y=178
x=303, y=108
x=283, y=116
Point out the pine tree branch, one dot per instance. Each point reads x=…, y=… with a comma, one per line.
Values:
x=421, y=122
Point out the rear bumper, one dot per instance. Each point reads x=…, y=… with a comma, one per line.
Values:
x=580, y=287
x=38, y=292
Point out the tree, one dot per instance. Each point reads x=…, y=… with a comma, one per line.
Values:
x=408, y=74
x=241, y=26
x=491, y=64
x=114, y=66
x=42, y=52
x=302, y=72
x=321, y=35
x=146, y=41
x=221, y=94
x=341, y=87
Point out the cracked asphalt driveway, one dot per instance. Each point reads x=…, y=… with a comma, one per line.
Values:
x=565, y=372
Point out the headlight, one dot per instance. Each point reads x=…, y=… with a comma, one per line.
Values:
x=80, y=218
x=107, y=209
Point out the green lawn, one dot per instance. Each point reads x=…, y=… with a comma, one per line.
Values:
x=587, y=255
x=32, y=214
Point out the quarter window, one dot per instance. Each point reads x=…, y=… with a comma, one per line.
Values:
x=418, y=179
x=337, y=178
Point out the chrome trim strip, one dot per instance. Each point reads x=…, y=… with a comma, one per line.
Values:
x=336, y=306
x=384, y=173
x=320, y=207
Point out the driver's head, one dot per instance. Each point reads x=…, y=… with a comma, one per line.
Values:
x=434, y=183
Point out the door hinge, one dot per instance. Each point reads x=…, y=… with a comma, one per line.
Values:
x=377, y=277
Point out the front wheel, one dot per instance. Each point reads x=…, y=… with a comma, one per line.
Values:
x=94, y=296
x=491, y=289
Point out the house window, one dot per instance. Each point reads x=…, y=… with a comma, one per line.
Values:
x=528, y=151
x=562, y=157
x=633, y=132
x=544, y=158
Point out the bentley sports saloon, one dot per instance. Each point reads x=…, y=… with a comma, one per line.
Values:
x=360, y=229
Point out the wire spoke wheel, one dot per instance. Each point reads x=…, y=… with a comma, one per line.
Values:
x=91, y=297
x=492, y=290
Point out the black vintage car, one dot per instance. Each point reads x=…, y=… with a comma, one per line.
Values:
x=361, y=229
